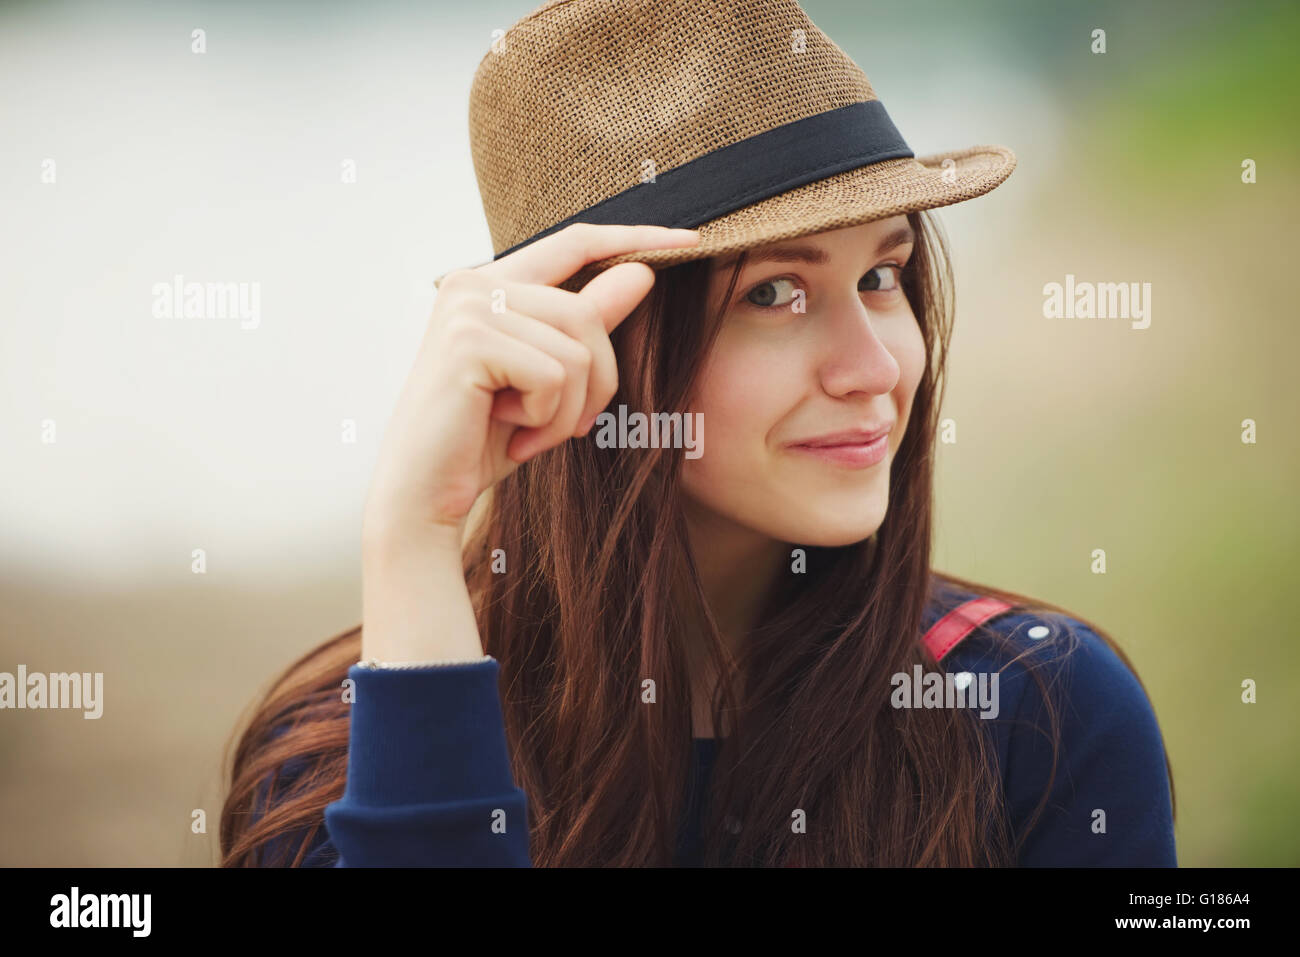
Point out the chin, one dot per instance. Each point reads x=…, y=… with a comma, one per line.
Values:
x=831, y=528
x=839, y=537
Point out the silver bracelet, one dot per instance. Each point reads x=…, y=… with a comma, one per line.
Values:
x=376, y=663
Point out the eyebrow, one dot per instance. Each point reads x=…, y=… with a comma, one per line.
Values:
x=814, y=255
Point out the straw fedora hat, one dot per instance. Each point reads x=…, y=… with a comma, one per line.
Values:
x=737, y=117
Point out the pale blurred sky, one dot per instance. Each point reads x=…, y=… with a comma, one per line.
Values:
x=175, y=434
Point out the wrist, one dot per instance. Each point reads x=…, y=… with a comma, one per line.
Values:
x=383, y=535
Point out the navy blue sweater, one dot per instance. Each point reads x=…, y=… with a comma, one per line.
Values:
x=429, y=780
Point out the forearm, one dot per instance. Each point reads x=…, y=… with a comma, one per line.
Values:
x=416, y=606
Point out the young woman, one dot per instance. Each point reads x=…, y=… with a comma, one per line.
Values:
x=580, y=650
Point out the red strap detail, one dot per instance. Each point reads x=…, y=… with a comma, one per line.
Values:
x=948, y=631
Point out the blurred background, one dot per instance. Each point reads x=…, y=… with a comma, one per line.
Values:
x=171, y=435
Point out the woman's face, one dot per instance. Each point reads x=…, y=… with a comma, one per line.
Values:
x=817, y=339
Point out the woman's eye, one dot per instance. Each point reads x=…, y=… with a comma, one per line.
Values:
x=892, y=274
x=761, y=296
x=881, y=279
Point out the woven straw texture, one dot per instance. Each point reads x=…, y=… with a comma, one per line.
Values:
x=577, y=100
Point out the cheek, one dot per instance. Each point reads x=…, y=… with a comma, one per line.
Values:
x=907, y=346
x=742, y=394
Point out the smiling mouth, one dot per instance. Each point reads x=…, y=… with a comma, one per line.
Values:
x=855, y=453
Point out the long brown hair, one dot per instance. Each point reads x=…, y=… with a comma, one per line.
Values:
x=603, y=594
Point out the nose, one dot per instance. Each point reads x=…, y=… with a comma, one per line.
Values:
x=854, y=358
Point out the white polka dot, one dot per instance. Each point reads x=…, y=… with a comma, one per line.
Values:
x=962, y=679
x=1039, y=632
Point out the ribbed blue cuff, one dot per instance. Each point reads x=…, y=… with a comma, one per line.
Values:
x=426, y=735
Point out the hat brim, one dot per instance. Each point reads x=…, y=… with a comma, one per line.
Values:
x=857, y=196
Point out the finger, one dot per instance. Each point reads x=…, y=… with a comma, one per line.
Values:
x=581, y=319
x=554, y=258
x=504, y=362
x=570, y=352
x=507, y=406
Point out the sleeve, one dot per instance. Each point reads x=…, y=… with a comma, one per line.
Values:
x=1110, y=803
x=429, y=781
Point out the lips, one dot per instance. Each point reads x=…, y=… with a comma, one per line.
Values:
x=850, y=437
x=856, y=449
